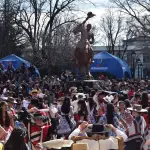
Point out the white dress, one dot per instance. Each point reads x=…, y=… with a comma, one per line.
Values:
x=64, y=127
x=91, y=118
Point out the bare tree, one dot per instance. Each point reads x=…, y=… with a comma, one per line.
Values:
x=134, y=31
x=10, y=39
x=63, y=43
x=139, y=12
x=129, y=32
x=111, y=26
x=38, y=20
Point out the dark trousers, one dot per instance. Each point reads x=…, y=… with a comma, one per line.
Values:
x=134, y=144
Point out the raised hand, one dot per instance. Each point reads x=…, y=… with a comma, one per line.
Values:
x=90, y=15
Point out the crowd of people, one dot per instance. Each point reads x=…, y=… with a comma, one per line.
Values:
x=34, y=109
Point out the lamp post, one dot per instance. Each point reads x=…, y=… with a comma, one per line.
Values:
x=138, y=61
x=141, y=65
x=133, y=54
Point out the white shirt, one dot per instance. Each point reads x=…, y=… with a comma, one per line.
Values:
x=75, y=106
x=77, y=132
x=26, y=104
x=53, y=111
x=122, y=134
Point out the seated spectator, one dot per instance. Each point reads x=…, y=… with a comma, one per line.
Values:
x=84, y=129
x=5, y=120
x=16, y=141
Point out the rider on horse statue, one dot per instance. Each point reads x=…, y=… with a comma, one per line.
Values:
x=87, y=38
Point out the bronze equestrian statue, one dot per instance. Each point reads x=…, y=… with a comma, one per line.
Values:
x=83, y=55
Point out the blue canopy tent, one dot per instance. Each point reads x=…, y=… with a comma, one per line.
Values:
x=105, y=62
x=16, y=61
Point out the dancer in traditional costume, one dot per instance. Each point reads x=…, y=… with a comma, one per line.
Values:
x=138, y=131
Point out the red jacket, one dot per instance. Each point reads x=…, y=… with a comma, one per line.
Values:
x=36, y=133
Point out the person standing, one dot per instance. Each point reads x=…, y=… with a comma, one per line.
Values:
x=138, y=131
x=66, y=113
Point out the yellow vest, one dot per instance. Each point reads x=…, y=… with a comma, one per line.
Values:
x=1, y=146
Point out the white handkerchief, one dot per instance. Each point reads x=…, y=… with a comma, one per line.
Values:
x=107, y=144
x=92, y=144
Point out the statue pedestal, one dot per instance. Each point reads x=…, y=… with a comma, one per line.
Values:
x=82, y=83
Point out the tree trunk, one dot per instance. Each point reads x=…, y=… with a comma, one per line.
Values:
x=113, y=49
x=50, y=49
x=34, y=50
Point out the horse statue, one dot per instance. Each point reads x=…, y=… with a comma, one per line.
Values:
x=83, y=53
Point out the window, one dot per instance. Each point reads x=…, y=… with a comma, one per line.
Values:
x=129, y=59
x=146, y=58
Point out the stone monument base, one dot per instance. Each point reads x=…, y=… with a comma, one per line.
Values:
x=83, y=84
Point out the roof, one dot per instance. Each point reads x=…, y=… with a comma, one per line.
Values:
x=104, y=48
x=139, y=38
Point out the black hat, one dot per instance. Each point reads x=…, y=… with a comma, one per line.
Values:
x=90, y=14
x=39, y=115
x=98, y=129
